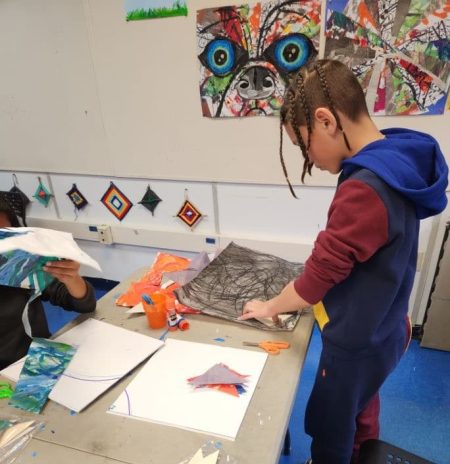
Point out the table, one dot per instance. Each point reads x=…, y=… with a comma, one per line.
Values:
x=95, y=437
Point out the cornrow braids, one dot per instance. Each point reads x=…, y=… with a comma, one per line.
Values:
x=326, y=91
x=296, y=91
x=300, y=87
x=286, y=116
x=283, y=165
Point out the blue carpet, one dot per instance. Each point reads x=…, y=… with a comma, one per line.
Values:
x=415, y=404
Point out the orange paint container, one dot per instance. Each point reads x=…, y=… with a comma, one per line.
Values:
x=156, y=313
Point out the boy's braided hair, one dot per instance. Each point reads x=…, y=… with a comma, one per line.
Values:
x=321, y=83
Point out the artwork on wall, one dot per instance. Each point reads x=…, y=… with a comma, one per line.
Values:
x=116, y=202
x=238, y=275
x=77, y=198
x=150, y=200
x=248, y=52
x=150, y=9
x=17, y=201
x=399, y=49
x=42, y=195
x=188, y=213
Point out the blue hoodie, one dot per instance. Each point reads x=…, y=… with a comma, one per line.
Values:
x=411, y=163
x=361, y=271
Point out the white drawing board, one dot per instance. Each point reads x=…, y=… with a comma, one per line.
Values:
x=160, y=392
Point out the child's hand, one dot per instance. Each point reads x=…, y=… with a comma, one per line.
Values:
x=258, y=309
x=67, y=272
x=64, y=270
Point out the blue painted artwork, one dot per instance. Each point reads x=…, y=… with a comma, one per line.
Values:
x=45, y=362
x=19, y=268
x=6, y=233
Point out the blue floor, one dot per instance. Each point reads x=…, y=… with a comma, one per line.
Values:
x=415, y=400
x=415, y=404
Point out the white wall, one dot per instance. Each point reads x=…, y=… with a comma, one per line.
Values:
x=83, y=91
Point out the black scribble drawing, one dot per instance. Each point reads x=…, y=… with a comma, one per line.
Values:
x=235, y=276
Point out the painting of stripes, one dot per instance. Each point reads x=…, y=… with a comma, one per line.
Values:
x=399, y=50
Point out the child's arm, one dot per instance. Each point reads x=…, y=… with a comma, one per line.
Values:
x=288, y=300
x=69, y=290
x=67, y=272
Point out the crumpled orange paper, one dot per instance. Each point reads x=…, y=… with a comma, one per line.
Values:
x=150, y=282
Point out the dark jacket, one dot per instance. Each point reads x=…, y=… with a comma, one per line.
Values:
x=14, y=342
x=362, y=268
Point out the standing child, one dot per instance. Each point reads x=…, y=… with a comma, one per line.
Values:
x=361, y=271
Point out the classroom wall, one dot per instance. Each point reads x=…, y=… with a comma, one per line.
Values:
x=83, y=91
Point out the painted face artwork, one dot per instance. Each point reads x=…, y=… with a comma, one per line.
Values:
x=398, y=49
x=247, y=54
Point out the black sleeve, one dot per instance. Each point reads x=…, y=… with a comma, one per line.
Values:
x=58, y=295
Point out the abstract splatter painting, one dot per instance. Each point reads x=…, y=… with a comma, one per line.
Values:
x=399, y=50
x=248, y=52
x=45, y=362
x=236, y=276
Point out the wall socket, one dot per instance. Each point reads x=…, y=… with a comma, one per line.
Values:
x=105, y=234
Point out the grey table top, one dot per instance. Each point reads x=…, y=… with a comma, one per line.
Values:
x=95, y=437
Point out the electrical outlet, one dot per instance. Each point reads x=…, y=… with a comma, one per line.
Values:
x=105, y=234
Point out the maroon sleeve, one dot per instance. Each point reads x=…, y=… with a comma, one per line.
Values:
x=357, y=227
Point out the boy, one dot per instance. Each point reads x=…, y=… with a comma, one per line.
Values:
x=360, y=273
x=68, y=290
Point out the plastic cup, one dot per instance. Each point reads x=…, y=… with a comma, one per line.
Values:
x=156, y=315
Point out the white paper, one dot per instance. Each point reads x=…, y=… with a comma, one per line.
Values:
x=46, y=242
x=105, y=354
x=160, y=392
x=139, y=308
x=199, y=459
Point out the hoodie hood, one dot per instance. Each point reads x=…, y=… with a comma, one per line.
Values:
x=411, y=163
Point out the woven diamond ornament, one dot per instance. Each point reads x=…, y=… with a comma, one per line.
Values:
x=189, y=214
x=150, y=200
x=17, y=201
x=116, y=201
x=42, y=195
x=77, y=198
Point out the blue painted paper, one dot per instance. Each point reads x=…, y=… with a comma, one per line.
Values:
x=45, y=363
x=19, y=268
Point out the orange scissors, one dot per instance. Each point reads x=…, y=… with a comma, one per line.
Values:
x=271, y=346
